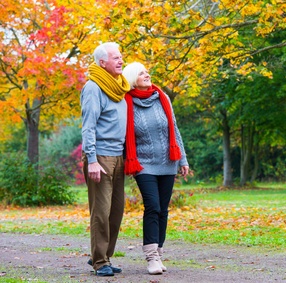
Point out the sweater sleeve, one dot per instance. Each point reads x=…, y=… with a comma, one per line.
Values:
x=183, y=161
x=90, y=107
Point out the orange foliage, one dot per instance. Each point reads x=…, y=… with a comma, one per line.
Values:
x=36, y=62
x=46, y=46
x=180, y=219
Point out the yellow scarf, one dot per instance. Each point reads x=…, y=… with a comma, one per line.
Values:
x=115, y=89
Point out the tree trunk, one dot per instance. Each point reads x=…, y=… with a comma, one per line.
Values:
x=256, y=163
x=227, y=174
x=246, y=151
x=32, y=125
x=170, y=93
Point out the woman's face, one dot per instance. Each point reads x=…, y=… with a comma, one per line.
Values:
x=143, y=81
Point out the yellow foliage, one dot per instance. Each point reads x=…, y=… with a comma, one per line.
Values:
x=181, y=219
x=182, y=43
x=266, y=73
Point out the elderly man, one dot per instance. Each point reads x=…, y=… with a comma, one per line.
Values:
x=103, y=137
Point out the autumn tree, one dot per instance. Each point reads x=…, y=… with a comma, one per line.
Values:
x=40, y=79
x=188, y=43
x=184, y=43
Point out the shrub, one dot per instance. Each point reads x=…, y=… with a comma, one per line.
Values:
x=133, y=201
x=77, y=170
x=61, y=143
x=183, y=198
x=21, y=183
x=64, y=148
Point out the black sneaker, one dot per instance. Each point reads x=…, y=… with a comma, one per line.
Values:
x=114, y=269
x=89, y=262
x=104, y=270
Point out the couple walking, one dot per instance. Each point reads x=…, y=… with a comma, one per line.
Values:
x=123, y=111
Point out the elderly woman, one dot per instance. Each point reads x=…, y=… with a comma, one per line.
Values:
x=154, y=151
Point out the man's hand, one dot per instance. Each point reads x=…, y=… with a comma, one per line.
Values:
x=94, y=171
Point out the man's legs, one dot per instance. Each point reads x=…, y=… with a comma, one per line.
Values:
x=117, y=204
x=105, y=217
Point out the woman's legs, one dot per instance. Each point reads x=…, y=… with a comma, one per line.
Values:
x=156, y=192
x=165, y=187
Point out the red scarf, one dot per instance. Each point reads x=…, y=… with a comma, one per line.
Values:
x=132, y=165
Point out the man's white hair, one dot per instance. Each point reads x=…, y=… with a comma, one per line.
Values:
x=100, y=52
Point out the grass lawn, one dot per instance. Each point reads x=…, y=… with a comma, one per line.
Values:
x=198, y=214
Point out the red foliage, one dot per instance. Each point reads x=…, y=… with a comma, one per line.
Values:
x=77, y=169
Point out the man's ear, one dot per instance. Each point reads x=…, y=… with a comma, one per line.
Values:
x=102, y=63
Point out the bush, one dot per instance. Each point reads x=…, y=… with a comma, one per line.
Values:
x=21, y=183
x=61, y=143
x=64, y=147
x=76, y=165
x=133, y=201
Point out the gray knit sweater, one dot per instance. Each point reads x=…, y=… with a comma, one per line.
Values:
x=103, y=123
x=152, y=137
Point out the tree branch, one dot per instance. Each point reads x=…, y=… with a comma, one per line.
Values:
x=217, y=28
x=279, y=45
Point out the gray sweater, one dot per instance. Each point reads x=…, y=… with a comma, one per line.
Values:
x=103, y=123
x=152, y=137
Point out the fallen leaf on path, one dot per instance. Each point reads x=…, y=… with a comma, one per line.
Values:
x=210, y=267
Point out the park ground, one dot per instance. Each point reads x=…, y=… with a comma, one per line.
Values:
x=61, y=259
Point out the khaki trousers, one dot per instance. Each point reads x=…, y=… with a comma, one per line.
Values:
x=106, y=207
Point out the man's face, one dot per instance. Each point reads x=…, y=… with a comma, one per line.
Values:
x=114, y=63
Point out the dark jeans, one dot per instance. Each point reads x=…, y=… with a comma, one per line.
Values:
x=156, y=192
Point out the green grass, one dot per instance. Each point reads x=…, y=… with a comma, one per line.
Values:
x=6, y=279
x=15, y=274
x=251, y=237
x=81, y=194
x=234, y=217
x=119, y=254
x=59, y=249
x=46, y=227
x=247, y=198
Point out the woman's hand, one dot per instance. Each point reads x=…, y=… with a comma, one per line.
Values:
x=185, y=171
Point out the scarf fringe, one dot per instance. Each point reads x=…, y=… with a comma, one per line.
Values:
x=132, y=166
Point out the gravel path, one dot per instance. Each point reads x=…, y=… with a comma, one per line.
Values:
x=61, y=259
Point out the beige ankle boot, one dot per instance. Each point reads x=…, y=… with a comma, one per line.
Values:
x=160, y=252
x=152, y=258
